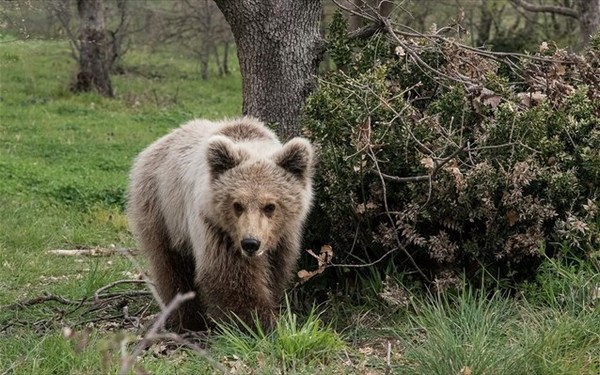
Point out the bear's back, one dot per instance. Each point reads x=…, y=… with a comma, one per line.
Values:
x=250, y=135
x=242, y=130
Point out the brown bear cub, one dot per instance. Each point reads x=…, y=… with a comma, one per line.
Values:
x=219, y=208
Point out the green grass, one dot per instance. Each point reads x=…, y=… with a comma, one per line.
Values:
x=64, y=158
x=64, y=162
x=470, y=331
x=553, y=328
x=296, y=345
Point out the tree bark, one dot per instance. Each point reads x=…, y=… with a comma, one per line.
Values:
x=589, y=18
x=279, y=48
x=93, y=70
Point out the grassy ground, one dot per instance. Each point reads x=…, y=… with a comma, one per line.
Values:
x=64, y=161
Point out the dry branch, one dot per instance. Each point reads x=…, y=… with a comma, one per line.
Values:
x=118, y=282
x=39, y=300
x=153, y=336
x=99, y=252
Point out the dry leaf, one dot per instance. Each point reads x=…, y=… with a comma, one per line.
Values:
x=367, y=350
x=324, y=258
x=529, y=99
x=488, y=97
x=364, y=134
x=304, y=275
x=493, y=100
x=559, y=69
x=427, y=162
x=512, y=216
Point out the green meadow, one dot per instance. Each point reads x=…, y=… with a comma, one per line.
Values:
x=64, y=162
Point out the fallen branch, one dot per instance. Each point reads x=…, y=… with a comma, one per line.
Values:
x=153, y=336
x=113, y=284
x=100, y=252
x=39, y=300
x=360, y=265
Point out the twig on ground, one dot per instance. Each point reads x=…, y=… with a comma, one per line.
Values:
x=101, y=302
x=98, y=252
x=38, y=300
x=388, y=359
x=113, y=284
x=153, y=335
x=148, y=282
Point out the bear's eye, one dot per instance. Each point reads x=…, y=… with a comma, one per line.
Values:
x=269, y=208
x=238, y=208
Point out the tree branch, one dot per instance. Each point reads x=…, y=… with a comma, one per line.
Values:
x=556, y=9
x=366, y=32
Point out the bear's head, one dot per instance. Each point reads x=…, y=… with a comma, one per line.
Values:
x=260, y=197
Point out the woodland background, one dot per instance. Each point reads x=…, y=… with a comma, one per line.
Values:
x=455, y=228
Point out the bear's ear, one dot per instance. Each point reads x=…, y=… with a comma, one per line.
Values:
x=296, y=157
x=222, y=155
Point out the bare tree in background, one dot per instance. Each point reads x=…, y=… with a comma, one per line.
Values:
x=115, y=38
x=587, y=12
x=118, y=36
x=92, y=45
x=366, y=7
x=200, y=26
x=279, y=48
x=96, y=48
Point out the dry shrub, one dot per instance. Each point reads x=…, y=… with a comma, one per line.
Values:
x=460, y=159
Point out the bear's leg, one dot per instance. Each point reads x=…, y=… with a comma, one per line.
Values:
x=282, y=265
x=245, y=292
x=173, y=272
x=172, y=268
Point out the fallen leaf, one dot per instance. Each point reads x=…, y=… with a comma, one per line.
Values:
x=427, y=162
x=512, y=216
x=324, y=258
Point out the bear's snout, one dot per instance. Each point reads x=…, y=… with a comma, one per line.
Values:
x=250, y=245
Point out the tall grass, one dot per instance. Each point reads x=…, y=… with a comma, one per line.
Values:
x=296, y=344
x=469, y=331
x=552, y=328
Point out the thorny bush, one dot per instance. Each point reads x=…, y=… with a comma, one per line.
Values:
x=455, y=161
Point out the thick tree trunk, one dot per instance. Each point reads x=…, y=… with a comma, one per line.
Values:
x=279, y=48
x=93, y=72
x=589, y=18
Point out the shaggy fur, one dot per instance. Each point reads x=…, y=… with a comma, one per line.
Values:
x=197, y=193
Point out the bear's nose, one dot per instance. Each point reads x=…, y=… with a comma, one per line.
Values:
x=250, y=245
